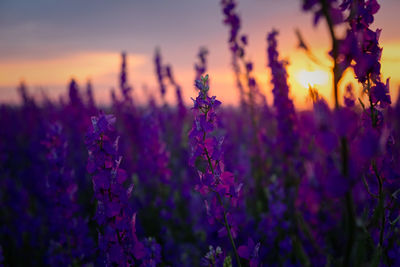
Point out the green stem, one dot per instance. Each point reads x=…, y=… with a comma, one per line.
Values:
x=344, y=146
x=228, y=228
x=336, y=74
x=381, y=199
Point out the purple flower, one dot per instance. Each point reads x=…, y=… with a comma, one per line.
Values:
x=214, y=182
x=68, y=230
x=380, y=94
x=181, y=105
x=250, y=252
x=201, y=66
x=123, y=81
x=285, y=112
x=214, y=257
x=74, y=96
x=319, y=7
x=160, y=72
x=152, y=253
x=117, y=238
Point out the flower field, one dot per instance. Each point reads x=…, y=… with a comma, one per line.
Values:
x=255, y=184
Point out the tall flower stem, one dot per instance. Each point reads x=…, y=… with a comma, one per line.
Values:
x=344, y=146
x=335, y=51
x=226, y=224
x=213, y=178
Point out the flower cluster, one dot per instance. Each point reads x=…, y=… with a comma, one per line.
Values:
x=207, y=158
x=68, y=230
x=361, y=45
x=117, y=234
x=285, y=112
x=238, y=45
x=181, y=105
x=123, y=81
x=159, y=72
x=201, y=66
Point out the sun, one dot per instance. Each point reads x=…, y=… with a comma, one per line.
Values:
x=311, y=78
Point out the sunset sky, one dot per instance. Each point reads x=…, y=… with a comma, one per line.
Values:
x=46, y=43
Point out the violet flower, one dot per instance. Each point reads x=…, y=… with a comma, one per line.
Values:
x=181, y=105
x=214, y=257
x=89, y=96
x=285, y=112
x=123, y=81
x=206, y=156
x=70, y=240
x=74, y=96
x=367, y=52
x=159, y=72
x=117, y=235
x=201, y=66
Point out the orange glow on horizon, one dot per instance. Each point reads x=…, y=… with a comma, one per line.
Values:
x=103, y=69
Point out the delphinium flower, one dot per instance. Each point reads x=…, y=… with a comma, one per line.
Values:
x=75, y=125
x=23, y=209
x=287, y=139
x=155, y=157
x=250, y=252
x=172, y=123
x=201, y=66
x=128, y=117
x=363, y=48
x=330, y=10
x=233, y=21
x=123, y=81
x=252, y=100
x=70, y=240
x=29, y=109
x=237, y=43
x=214, y=257
x=160, y=72
x=181, y=105
x=301, y=195
x=154, y=174
x=27, y=100
x=279, y=226
x=323, y=185
x=323, y=7
x=117, y=235
x=74, y=95
x=219, y=186
x=360, y=49
x=90, y=98
x=152, y=253
x=285, y=113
